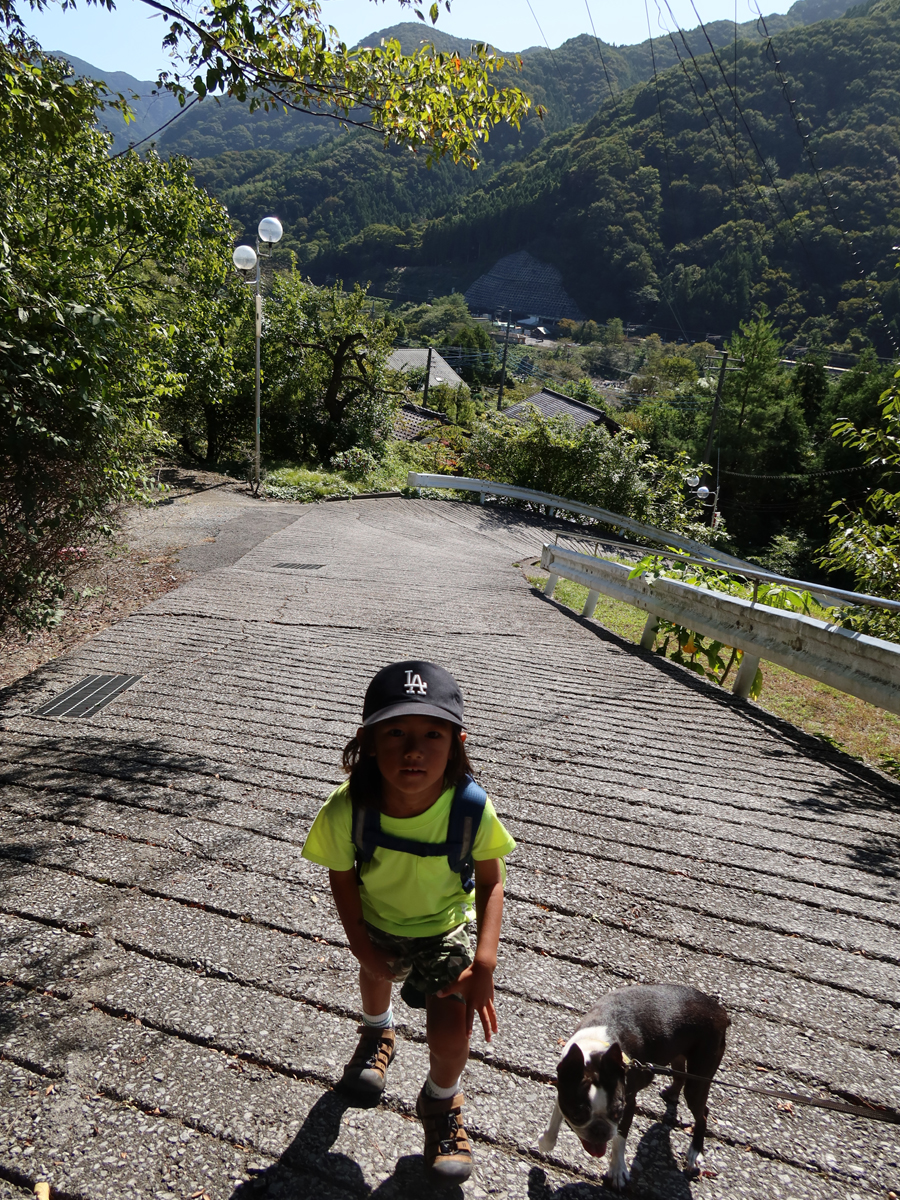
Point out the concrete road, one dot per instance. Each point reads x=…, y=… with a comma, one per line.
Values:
x=179, y=998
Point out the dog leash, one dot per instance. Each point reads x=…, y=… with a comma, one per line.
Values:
x=856, y=1110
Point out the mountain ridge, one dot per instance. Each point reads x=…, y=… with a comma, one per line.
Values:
x=213, y=127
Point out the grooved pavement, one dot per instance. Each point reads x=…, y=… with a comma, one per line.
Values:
x=178, y=997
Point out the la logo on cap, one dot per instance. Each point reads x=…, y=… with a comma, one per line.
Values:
x=415, y=683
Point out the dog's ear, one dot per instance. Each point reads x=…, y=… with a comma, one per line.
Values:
x=613, y=1057
x=607, y=1067
x=571, y=1067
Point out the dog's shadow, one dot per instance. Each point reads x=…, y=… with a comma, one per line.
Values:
x=309, y=1168
x=656, y=1174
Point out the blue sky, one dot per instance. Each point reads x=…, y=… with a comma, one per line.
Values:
x=129, y=39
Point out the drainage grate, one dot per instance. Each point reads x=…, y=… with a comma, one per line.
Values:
x=87, y=696
x=299, y=566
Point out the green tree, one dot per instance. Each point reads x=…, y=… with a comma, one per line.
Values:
x=276, y=55
x=762, y=433
x=325, y=368
x=865, y=540
x=93, y=251
x=211, y=347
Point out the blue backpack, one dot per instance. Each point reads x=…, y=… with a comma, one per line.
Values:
x=466, y=810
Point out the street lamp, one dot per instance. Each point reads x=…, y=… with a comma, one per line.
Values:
x=245, y=258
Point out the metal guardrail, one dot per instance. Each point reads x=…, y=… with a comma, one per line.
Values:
x=862, y=666
x=487, y=487
x=708, y=556
x=851, y=662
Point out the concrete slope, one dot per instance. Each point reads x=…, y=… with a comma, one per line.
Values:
x=179, y=998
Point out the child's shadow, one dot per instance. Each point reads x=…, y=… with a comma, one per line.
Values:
x=309, y=1170
x=655, y=1175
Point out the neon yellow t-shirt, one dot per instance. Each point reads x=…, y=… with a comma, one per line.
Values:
x=402, y=893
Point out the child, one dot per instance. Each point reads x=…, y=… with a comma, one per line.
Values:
x=406, y=911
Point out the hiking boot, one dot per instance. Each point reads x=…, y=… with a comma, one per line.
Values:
x=448, y=1155
x=364, y=1074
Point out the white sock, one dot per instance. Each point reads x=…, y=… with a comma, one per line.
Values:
x=439, y=1093
x=380, y=1020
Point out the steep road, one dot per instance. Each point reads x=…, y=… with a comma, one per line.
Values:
x=179, y=998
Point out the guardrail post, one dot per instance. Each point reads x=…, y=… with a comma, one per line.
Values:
x=743, y=681
x=648, y=637
x=551, y=511
x=590, y=604
x=550, y=585
x=481, y=496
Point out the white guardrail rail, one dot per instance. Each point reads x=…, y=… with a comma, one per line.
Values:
x=862, y=666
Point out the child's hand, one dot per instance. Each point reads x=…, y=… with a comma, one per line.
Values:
x=476, y=986
x=375, y=962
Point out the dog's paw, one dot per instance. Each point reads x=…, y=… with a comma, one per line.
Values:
x=618, y=1178
x=546, y=1142
x=693, y=1161
x=617, y=1173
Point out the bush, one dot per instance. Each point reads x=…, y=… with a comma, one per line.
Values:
x=93, y=252
x=355, y=463
x=589, y=464
x=789, y=554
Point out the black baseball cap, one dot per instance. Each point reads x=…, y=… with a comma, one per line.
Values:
x=413, y=688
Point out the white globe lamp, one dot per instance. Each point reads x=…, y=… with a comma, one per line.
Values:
x=692, y=481
x=702, y=493
x=244, y=258
x=270, y=230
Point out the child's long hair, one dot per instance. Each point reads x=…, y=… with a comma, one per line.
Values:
x=365, y=778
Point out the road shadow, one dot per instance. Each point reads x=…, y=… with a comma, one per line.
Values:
x=52, y=790
x=310, y=1169
x=847, y=788
x=655, y=1174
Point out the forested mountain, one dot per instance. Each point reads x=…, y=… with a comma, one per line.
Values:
x=685, y=200
x=571, y=83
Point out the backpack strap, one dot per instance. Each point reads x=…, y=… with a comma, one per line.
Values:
x=466, y=810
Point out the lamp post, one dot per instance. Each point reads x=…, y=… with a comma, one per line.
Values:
x=703, y=493
x=245, y=258
x=503, y=367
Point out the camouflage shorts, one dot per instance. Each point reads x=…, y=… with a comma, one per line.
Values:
x=425, y=964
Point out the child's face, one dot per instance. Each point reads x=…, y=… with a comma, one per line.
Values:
x=412, y=754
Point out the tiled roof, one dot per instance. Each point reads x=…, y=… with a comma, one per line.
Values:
x=412, y=420
x=441, y=371
x=523, y=284
x=555, y=404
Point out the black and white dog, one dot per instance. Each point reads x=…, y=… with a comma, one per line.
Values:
x=598, y=1079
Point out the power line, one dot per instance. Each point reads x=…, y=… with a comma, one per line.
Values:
x=165, y=125
x=687, y=76
x=750, y=134
x=724, y=124
x=803, y=475
x=546, y=43
x=804, y=137
x=602, y=60
x=665, y=142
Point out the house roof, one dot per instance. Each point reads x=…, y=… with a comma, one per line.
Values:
x=522, y=283
x=412, y=421
x=555, y=404
x=441, y=371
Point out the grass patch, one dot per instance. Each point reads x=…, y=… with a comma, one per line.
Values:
x=867, y=733
x=306, y=484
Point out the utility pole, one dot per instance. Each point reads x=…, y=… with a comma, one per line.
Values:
x=707, y=457
x=503, y=367
x=427, y=379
